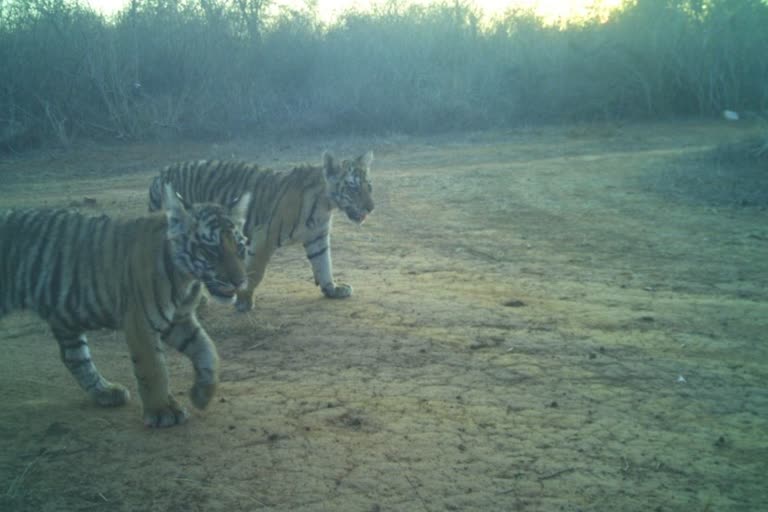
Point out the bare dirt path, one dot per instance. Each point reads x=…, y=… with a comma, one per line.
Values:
x=527, y=306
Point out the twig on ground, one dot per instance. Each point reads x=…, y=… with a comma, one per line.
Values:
x=19, y=480
x=418, y=495
x=556, y=474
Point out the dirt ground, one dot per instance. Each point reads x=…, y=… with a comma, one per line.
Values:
x=549, y=319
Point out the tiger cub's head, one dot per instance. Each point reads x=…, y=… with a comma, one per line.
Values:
x=350, y=187
x=207, y=242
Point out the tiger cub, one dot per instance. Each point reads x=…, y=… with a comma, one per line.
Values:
x=287, y=207
x=142, y=276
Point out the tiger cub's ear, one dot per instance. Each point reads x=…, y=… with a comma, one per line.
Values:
x=365, y=161
x=175, y=211
x=330, y=168
x=238, y=209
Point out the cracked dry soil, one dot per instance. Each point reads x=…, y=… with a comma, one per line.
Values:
x=525, y=304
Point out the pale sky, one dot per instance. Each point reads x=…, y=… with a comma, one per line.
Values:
x=329, y=9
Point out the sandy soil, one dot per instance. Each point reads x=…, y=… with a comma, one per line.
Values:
x=527, y=305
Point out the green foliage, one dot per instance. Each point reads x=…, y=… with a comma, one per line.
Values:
x=221, y=67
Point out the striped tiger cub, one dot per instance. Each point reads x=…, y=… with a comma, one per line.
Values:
x=142, y=276
x=287, y=207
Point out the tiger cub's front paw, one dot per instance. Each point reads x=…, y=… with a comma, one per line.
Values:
x=201, y=394
x=166, y=416
x=111, y=395
x=337, y=291
x=244, y=302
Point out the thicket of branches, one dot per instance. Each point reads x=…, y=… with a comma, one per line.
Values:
x=223, y=67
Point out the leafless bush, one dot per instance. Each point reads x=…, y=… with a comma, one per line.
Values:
x=221, y=67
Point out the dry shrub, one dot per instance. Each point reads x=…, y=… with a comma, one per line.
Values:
x=215, y=68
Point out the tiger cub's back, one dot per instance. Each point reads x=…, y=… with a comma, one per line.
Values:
x=61, y=263
x=207, y=181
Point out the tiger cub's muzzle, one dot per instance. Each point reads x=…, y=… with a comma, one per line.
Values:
x=225, y=291
x=358, y=215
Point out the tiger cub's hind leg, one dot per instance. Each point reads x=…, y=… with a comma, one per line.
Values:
x=77, y=358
